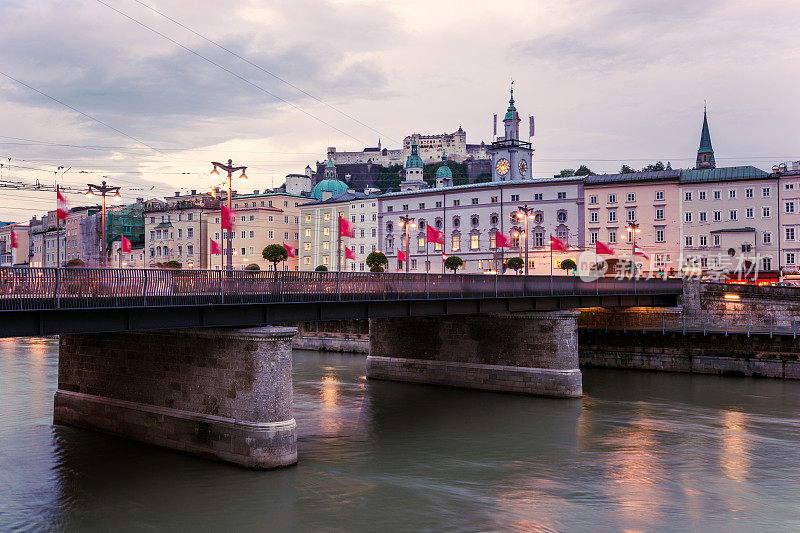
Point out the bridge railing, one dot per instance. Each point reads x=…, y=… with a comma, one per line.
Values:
x=75, y=288
x=667, y=323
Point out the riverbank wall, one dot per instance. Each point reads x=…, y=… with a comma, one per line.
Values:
x=333, y=336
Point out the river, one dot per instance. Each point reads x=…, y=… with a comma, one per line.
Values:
x=640, y=452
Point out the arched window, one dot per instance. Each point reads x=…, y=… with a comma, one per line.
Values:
x=389, y=227
x=562, y=216
x=475, y=220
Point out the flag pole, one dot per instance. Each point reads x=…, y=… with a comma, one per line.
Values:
x=339, y=243
x=58, y=232
x=551, y=264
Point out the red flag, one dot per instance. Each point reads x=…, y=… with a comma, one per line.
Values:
x=602, y=249
x=639, y=251
x=557, y=245
x=14, y=242
x=228, y=217
x=503, y=241
x=126, y=244
x=349, y=254
x=289, y=250
x=346, y=228
x=215, y=249
x=434, y=235
x=444, y=257
x=401, y=255
x=62, y=210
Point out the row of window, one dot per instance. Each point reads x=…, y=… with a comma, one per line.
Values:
x=327, y=231
x=167, y=234
x=164, y=251
x=537, y=197
x=687, y=195
x=252, y=235
x=475, y=241
x=269, y=204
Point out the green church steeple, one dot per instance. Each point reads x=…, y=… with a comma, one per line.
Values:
x=705, y=154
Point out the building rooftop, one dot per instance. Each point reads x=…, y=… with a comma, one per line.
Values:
x=346, y=196
x=734, y=230
x=515, y=183
x=631, y=177
x=722, y=174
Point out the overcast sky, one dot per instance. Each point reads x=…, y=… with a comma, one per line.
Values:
x=609, y=82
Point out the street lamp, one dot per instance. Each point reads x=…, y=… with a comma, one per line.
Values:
x=407, y=222
x=230, y=169
x=104, y=190
x=527, y=213
x=633, y=229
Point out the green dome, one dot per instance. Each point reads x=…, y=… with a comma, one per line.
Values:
x=414, y=160
x=334, y=186
x=511, y=112
x=444, y=170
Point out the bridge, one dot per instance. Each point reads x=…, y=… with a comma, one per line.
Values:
x=200, y=361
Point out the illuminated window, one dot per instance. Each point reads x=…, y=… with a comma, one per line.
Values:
x=325, y=245
x=307, y=261
x=308, y=233
x=308, y=218
x=327, y=216
x=325, y=260
x=308, y=247
x=474, y=242
x=456, y=243
x=326, y=231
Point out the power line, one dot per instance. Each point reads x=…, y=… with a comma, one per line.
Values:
x=262, y=69
x=232, y=73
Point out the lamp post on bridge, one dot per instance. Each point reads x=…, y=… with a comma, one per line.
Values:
x=633, y=229
x=407, y=222
x=526, y=212
x=104, y=190
x=230, y=169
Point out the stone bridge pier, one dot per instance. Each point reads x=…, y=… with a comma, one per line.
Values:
x=529, y=353
x=224, y=394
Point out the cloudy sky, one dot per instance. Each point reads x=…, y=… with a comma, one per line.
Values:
x=149, y=101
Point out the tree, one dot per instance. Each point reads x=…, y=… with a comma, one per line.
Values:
x=321, y=268
x=453, y=263
x=658, y=165
x=567, y=172
x=568, y=264
x=376, y=261
x=515, y=264
x=583, y=170
x=626, y=169
x=252, y=266
x=275, y=253
x=74, y=263
x=171, y=264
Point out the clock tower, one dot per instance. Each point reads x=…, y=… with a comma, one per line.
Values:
x=511, y=157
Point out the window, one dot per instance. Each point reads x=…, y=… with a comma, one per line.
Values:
x=687, y=196
x=631, y=215
x=493, y=240
x=456, y=203
x=789, y=234
x=307, y=247
x=748, y=193
x=494, y=199
x=689, y=240
x=717, y=216
x=474, y=242
x=475, y=221
x=421, y=243
x=765, y=191
x=687, y=216
x=703, y=240
x=538, y=196
x=593, y=199
x=562, y=196
x=592, y=237
x=716, y=240
x=538, y=238
x=515, y=197
x=439, y=204
x=659, y=235
x=659, y=196
x=326, y=216
x=153, y=220
x=766, y=263
x=790, y=207
x=325, y=231
x=701, y=195
x=732, y=193
x=767, y=237
x=789, y=258
x=456, y=243
x=748, y=213
x=244, y=234
x=325, y=260
x=765, y=212
x=612, y=198
x=244, y=218
x=413, y=263
x=325, y=245
x=612, y=215
x=733, y=214
x=612, y=236
x=152, y=235
x=789, y=186
x=308, y=233
x=717, y=195
x=660, y=213
x=389, y=208
x=190, y=232
x=271, y=234
x=216, y=236
x=594, y=216
x=474, y=201
x=252, y=250
x=421, y=206
x=562, y=216
x=253, y=234
x=702, y=215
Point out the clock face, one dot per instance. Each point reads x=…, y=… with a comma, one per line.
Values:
x=502, y=167
x=523, y=166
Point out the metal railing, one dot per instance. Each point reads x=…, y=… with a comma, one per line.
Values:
x=82, y=288
x=680, y=323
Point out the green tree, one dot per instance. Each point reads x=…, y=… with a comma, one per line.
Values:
x=275, y=253
x=321, y=268
x=515, y=264
x=569, y=265
x=376, y=261
x=658, y=165
x=626, y=169
x=567, y=172
x=485, y=177
x=453, y=263
x=171, y=264
x=583, y=170
x=74, y=263
x=252, y=266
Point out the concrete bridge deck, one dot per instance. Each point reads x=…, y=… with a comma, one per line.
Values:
x=49, y=301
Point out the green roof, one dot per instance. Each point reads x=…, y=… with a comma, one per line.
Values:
x=633, y=177
x=705, y=138
x=511, y=112
x=414, y=160
x=333, y=186
x=444, y=170
x=330, y=164
x=722, y=174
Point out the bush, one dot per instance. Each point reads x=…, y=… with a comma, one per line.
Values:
x=453, y=263
x=321, y=268
x=516, y=264
x=171, y=264
x=74, y=263
x=275, y=253
x=252, y=266
x=376, y=261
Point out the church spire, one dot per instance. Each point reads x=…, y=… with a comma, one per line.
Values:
x=705, y=154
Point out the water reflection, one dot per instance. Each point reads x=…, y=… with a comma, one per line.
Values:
x=735, y=458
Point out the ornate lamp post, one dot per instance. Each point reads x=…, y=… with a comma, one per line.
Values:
x=230, y=169
x=407, y=222
x=527, y=213
x=104, y=190
x=633, y=229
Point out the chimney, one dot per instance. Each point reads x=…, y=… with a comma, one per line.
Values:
x=255, y=191
x=177, y=193
x=194, y=191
